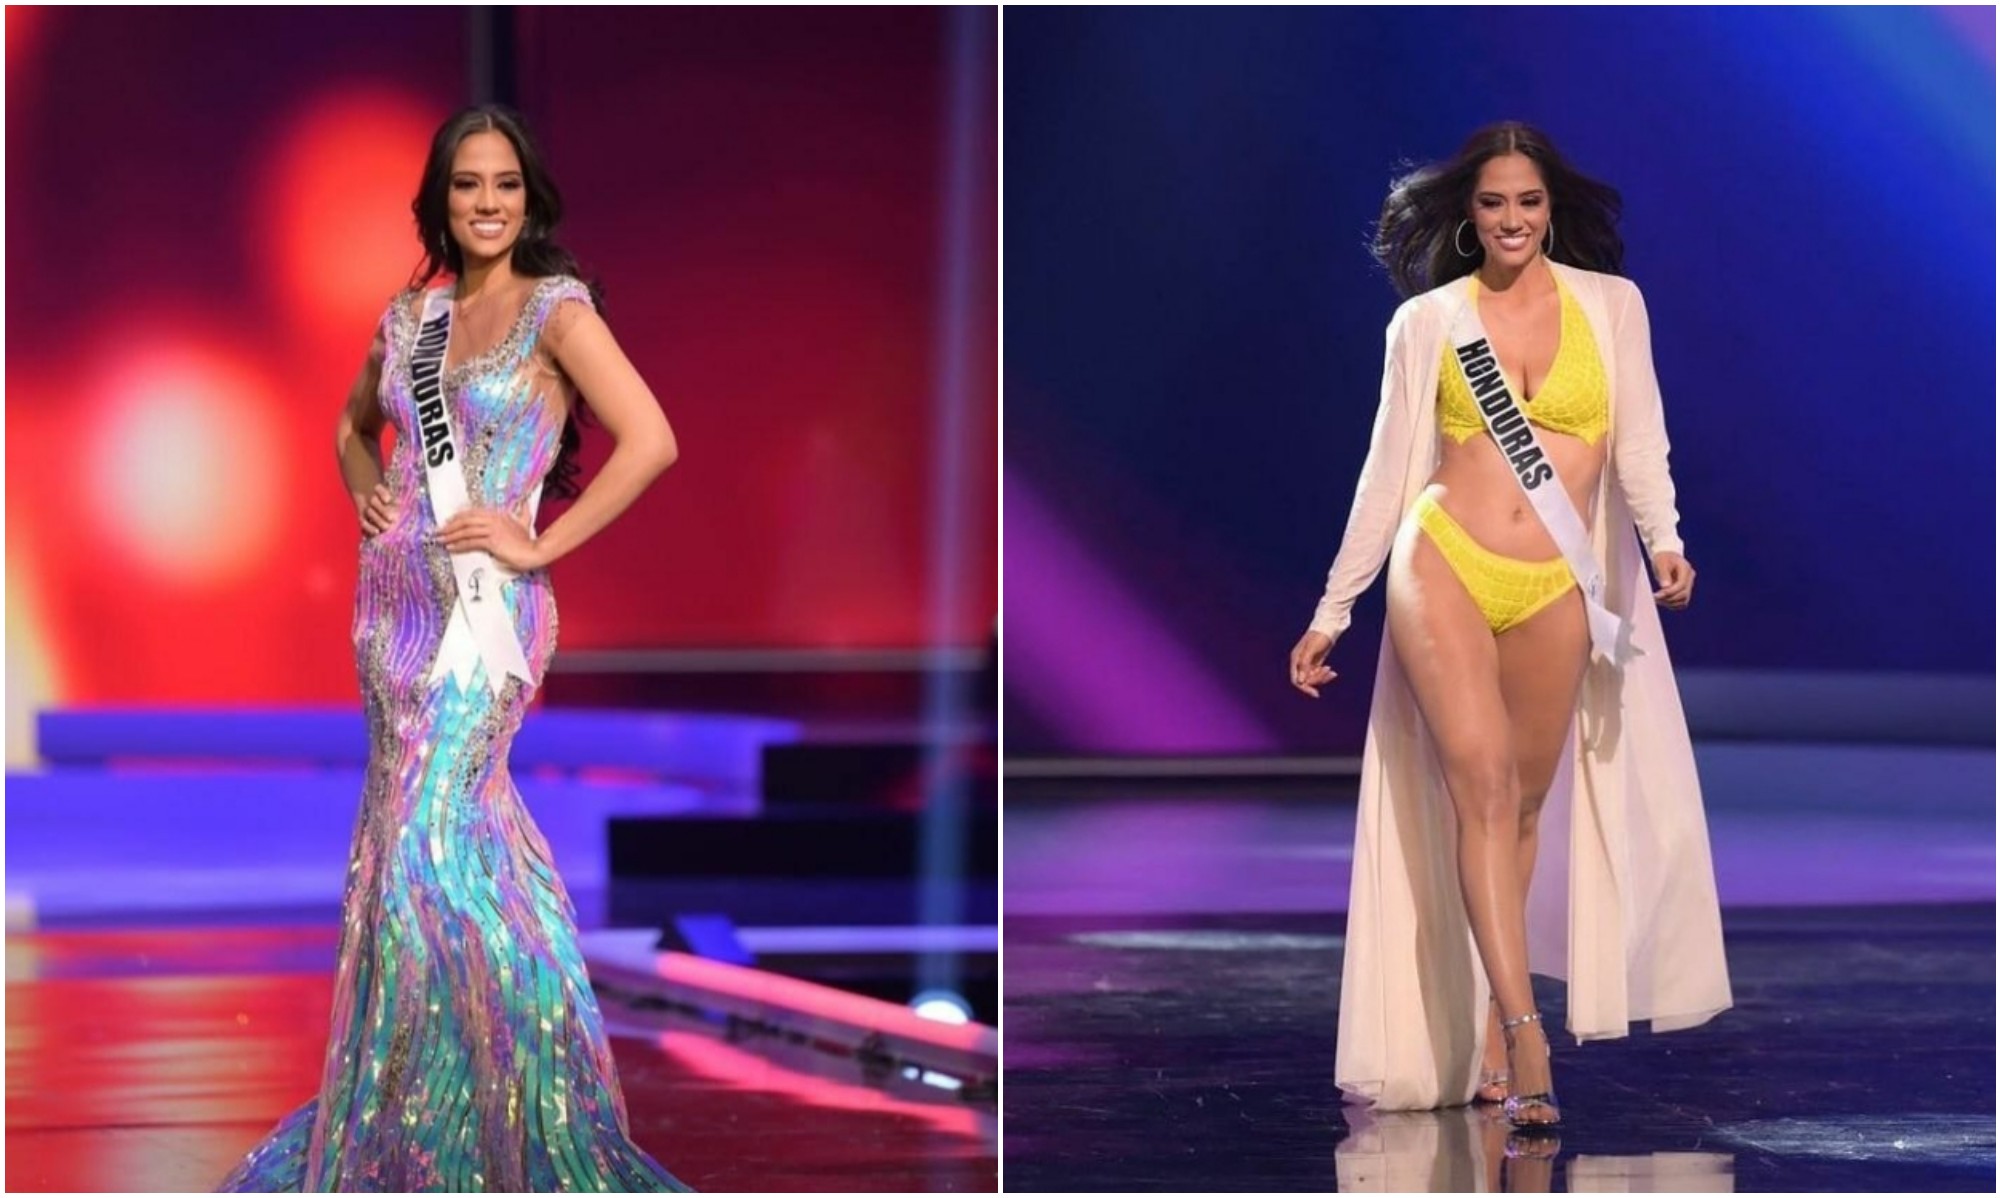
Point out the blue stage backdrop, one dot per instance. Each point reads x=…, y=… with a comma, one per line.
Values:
x=1194, y=333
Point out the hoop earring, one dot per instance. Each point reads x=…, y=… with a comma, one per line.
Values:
x=1549, y=241
x=1455, y=233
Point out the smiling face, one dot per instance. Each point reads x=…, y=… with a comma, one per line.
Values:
x=1510, y=209
x=487, y=197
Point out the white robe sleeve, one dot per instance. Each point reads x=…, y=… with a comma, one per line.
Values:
x=1378, y=497
x=1639, y=436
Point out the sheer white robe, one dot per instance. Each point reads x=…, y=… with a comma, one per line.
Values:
x=1623, y=904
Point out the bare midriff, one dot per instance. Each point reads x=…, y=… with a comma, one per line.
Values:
x=1475, y=485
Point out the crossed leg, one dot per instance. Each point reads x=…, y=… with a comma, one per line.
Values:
x=1498, y=710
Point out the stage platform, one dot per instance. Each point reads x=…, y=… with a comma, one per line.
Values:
x=1196, y=1054
x=233, y=816
x=1172, y=990
x=174, y=880
x=150, y=1061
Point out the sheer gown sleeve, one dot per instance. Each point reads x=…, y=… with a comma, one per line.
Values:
x=1378, y=497
x=1639, y=436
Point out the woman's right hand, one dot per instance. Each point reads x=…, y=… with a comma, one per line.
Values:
x=1309, y=671
x=378, y=513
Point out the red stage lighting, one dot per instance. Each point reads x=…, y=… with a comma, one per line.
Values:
x=336, y=196
x=182, y=464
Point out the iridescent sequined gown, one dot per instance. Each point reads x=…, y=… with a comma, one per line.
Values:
x=467, y=1050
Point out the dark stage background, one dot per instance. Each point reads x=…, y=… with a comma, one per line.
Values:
x=208, y=209
x=1195, y=333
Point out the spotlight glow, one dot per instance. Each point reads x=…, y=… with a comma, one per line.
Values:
x=182, y=465
x=942, y=1006
x=336, y=204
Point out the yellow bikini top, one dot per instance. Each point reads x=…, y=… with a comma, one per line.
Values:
x=1575, y=397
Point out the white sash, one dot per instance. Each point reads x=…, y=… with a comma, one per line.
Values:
x=479, y=630
x=1610, y=636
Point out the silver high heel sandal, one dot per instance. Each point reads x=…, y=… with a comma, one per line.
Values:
x=1517, y=1105
x=1493, y=1079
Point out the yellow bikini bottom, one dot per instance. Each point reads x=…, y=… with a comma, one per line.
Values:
x=1506, y=590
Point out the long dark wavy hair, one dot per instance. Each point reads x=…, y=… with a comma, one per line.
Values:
x=1416, y=239
x=536, y=255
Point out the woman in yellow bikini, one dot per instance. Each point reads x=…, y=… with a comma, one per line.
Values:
x=1490, y=704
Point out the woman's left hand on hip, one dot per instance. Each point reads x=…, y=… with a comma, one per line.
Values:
x=506, y=538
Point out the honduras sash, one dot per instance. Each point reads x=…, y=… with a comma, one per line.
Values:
x=1610, y=636
x=480, y=628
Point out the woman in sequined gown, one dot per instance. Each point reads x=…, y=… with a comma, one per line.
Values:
x=467, y=1051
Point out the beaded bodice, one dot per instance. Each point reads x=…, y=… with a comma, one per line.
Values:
x=505, y=403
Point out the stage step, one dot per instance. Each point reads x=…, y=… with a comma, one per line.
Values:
x=815, y=684
x=702, y=749
x=798, y=866
x=85, y=845
x=879, y=763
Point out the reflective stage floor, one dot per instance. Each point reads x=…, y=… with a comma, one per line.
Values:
x=1164, y=1034
x=148, y=1061
x=1196, y=1054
